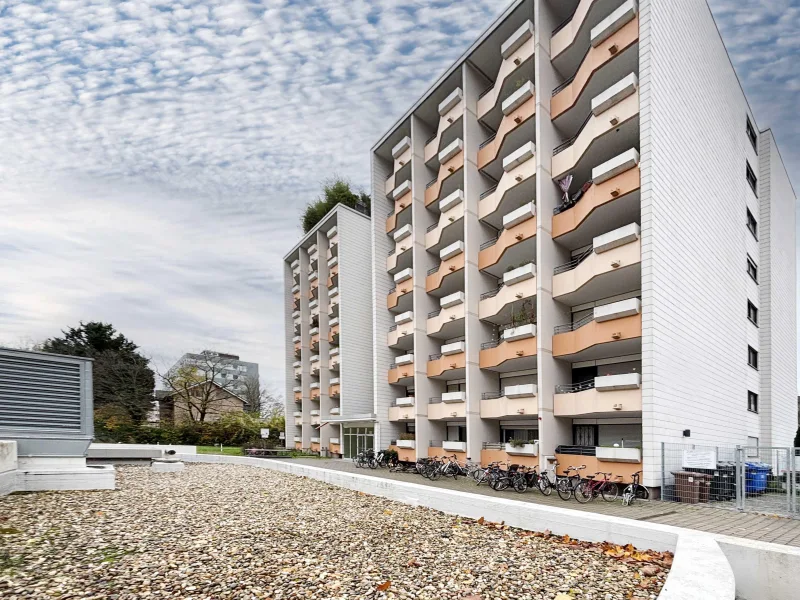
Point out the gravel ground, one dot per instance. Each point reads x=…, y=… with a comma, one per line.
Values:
x=226, y=531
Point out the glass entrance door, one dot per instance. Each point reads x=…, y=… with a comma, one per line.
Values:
x=358, y=439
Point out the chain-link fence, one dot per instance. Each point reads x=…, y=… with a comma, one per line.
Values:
x=754, y=479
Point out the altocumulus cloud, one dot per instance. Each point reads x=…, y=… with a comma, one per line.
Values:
x=154, y=154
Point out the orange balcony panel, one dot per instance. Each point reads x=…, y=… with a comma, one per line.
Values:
x=298, y=396
x=508, y=238
x=314, y=447
x=490, y=456
x=335, y=448
x=391, y=222
x=593, y=465
x=401, y=413
x=296, y=295
x=314, y=395
x=403, y=372
x=596, y=404
x=333, y=332
x=315, y=339
x=509, y=123
x=451, y=265
x=448, y=169
x=334, y=390
x=507, y=68
x=402, y=203
x=439, y=451
x=594, y=334
x=298, y=445
x=447, y=363
x=594, y=61
x=393, y=298
x=297, y=346
x=494, y=357
x=405, y=454
x=595, y=197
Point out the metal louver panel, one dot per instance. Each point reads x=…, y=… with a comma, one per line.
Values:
x=37, y=393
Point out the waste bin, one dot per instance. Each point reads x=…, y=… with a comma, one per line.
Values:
x=756, y=477
x=692, y=487
x=723, y=482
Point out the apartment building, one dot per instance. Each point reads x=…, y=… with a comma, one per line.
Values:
x=227, y=370
x=328, y=316
x=583, y=247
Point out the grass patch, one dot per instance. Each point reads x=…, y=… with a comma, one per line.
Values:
x=226, y=450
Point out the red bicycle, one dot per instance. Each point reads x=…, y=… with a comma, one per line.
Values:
x=590, y=488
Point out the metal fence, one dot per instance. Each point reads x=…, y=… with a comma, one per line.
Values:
x=745, y=478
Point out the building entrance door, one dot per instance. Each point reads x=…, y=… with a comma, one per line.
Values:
x=358, y=439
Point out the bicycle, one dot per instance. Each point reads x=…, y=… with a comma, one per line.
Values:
x=567, y=484
x=543, y=482
x=366, y=459
x=590, y=488
x=634, y=490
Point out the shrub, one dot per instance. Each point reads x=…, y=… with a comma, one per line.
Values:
x=408, y=436
x=517, y=443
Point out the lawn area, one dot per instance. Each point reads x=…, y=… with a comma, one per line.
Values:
x=227, y=450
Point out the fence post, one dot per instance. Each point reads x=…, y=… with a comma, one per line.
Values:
x=663, y=476
x=740, y=480
x=791, y=482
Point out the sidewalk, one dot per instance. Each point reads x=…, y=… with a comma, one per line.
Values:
x=751, y=526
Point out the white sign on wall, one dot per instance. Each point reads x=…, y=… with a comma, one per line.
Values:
x=699, y=459
x=265, y=433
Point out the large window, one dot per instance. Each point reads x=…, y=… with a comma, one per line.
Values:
x=752, y=269
x=751, y=179
x=752, y=135
x=752, y=357
x=752, y=224
x=752, y=313
x=752, y=402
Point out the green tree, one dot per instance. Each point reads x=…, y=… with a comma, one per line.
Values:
x=334, y=191
x=121, y=376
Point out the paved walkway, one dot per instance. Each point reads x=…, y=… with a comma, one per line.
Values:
x=752, y=526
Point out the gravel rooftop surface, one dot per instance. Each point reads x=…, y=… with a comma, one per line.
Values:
x=227, y=531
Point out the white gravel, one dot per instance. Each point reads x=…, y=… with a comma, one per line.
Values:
x=225, y=531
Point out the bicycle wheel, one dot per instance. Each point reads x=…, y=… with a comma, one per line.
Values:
x=545, y=486
x=435, y=474
x=642, y=492
x=583, y=492
x=373, y=464
x=520, y=484
x=628, y=496
x=502, y=483
x=609, y=491
x=564, y=489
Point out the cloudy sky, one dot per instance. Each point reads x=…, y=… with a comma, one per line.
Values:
x=155, y=154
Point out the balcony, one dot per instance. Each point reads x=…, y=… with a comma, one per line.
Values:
x=583, y=30
x=298, y=418
x=334, y=389
x=526, y=455
x=448, y=322
x=514, y=246
x=497, y=305
x=401, y=336
x=602, y=136
x=517, y=127
x=402, y=410
x=608, y=204
x=335, y=411
x=450, y=226
x=517, y=52
x=516, y=350
x=447, y=278
x=400, y=257
x=451, y=113
x=450, y=363
x=514, y=402
x=602, y=397
x=335, y=363
x=402, y=374
x=612, y=266
x=333, y=334
x=400, y=299
x=591, y=339
x=438, y=410
x=332, y=275
x=618, y=461
x=516, y=188
x=448, y=180
x=315, y=342
x=401, y=154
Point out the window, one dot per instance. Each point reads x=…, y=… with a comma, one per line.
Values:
x=752, y=269
x=752, y=313
x=751, y=133
x=752, y=447
x=752, y=357
x=751, y=178
x=752, y=224
x=752, y=402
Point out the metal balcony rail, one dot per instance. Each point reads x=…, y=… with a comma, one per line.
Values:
x=491, y=395
x=434, y=269
x=563, y=86
x=492, y=293
x=434, y=313
x=435, y=400
x=393, y=290
x=431, y=182
x=488, y=192
x=564, y=23
x=391, y=212
x=529, y=320
x=488, y=141
x=430, y=139
x=432, y=227
x=435, y=356
x=574, y=388
x=573, y=263
x=574, y=325
x=578, y=450
x=391, y=252
x=435, y=444
x=490, y=345
x=489, y=243
x=573, y=139
x=493, y=445
x=393, y=328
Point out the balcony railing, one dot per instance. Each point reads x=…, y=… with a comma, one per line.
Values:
x=392, y=251
x=573, y=139
x=435, y=400
x=573, y=263
x=430, y=139
x=488, y=192
x=488, y=141
x=391, y=212
x=564, y=23
x=530, y=320
x=489, y=243
x=431, y=227
x=486, y=91
x=574, y=388
x=491, y=395
x=393, y=328
x=493, y=446
x=490, y=345
x=434, y=313
x=577, y=450
x=434, y=356
x=564, y=85
x=434, y=269
x=574, y=325
x=431, y=183
x=491, y=293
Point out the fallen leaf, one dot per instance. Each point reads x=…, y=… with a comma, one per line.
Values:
x=387, y=512
x=384, y=586
x=481, y=521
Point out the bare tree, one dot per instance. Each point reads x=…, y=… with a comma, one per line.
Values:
x=254, y=394
x=202, y=388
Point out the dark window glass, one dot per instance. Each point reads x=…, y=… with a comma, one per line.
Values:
x=751, y=133
x=752, y=402
x=752, y=357
x=752, y=313
x=752, y=269
x=752, y=224
x=751, y=178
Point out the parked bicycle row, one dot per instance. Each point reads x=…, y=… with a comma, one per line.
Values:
x=500, y=476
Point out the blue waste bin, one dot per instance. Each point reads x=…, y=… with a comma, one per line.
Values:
x=756, y=477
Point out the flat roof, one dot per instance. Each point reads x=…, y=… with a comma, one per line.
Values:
x=334, y=211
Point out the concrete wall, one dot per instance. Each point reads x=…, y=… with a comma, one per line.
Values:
x=8, y=467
